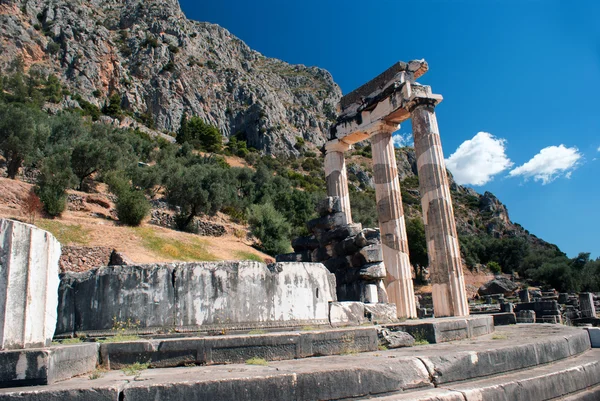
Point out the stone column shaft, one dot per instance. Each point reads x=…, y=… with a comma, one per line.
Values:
x=586, y=304
x=28, y=285
x=391, y=224
x=337, y=177
x=449, y=295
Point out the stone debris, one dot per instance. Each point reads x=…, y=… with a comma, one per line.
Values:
x=352, y=253
x=499, y=285
x=395, y=339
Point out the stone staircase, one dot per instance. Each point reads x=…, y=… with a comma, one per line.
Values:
x=518, y=362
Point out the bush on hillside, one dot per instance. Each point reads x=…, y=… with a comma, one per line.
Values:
x=132, y=207
x=270, y=227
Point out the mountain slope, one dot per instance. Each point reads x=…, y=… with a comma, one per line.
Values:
x=163, y=65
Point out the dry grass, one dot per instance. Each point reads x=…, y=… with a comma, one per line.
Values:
x=244, y=255
x=256, y=361
x=67, y=234
x=191, y=249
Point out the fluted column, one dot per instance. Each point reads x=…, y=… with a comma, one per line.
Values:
x=449, y=295
x=336, y=175
x=391, y=223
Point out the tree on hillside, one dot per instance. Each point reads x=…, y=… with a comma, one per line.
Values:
x=23, y=133
x=199, y=189
x=270, y=227
x=54, y=179
x=201, y=135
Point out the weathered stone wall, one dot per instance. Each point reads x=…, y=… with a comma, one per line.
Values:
x=82, y=258
x=189, y=296
x=28, y=285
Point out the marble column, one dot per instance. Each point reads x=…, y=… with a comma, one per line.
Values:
x=448, y=292
x=28, y=285
x=336, y=175
x=394, y=242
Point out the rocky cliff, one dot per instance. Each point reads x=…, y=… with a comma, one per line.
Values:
x=163, y=65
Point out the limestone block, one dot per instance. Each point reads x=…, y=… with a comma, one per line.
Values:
x=327, y=222
x=526, y=316
x=329, y=205
x=28, y=285
x=373, y=271
x=46, y=365
x=371, y=254
x=396, y=339
x=307, y=243
x=340, y=233
x=586, y=304
x=189, y=295
x=504, y=318
x=381, y=313
x=370, y=294
x=251, y=292
x=347, y=314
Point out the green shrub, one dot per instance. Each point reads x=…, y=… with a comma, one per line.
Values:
x=270, y=227
x=132, y=208
x=494, y=267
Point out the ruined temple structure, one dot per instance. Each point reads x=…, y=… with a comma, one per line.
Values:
x=373, y=112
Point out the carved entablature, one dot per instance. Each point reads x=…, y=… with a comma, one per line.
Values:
x=388, y=98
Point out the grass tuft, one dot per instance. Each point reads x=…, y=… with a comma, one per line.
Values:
x=244, y=255
x=257, y=331
x=499, y=337
x=256, y=361
x=135, y=368
x=66, y=234
x=191, y=250
x=119, y=338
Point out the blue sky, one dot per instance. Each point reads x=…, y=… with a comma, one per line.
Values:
x=519, y=79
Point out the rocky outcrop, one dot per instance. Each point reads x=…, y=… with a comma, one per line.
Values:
x=163, y=66
x=499, y=285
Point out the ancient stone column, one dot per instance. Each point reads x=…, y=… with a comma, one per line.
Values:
x=586, y=304
x=449, y=295
x=391, y=223
x=336, y=175
x=28, y=285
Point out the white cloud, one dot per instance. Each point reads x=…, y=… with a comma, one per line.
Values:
x=401, y=140
x=598, y=149
x=478, y=160
x=549, y=164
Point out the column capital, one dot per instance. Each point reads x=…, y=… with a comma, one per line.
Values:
x=419, y=96
x=383, y=126
x=335, y=145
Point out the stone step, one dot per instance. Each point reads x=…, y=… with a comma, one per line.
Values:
x=349, y=376
x=576, y=378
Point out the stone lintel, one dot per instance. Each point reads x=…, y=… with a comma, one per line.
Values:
x=393, y=110
x=414, y=69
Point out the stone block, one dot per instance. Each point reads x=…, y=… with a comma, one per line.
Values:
x=346, y=247
x=372, y=254
x=306, y=243
x=298, y=257
x=46, y=365
x=327, y=222
x=586, y=304
x=347, y=314
x=504, y=319
x=189, y=295
x=594, y=333
x=373, y=271
x=28, y=285
x=525, y=316
x=341, y=233
x=251, y=293
x=329, y=205
x=396, y=339
x=143, y=295
x=381, y=313
x=336, y=342
x=370, y=294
